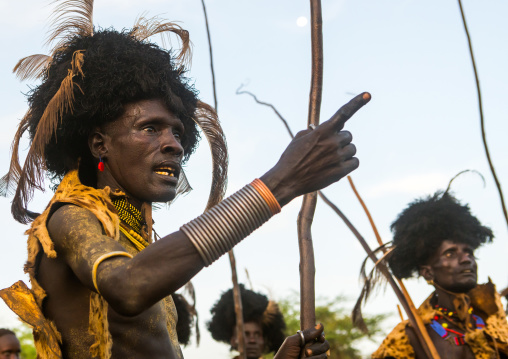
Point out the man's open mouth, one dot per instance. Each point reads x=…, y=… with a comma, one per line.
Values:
x=467, y=271
x=166, y=171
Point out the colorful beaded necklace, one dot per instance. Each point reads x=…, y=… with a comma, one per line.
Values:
x=443, y=330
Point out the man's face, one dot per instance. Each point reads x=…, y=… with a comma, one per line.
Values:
x=144, y=151
x=9, y=347
x=453, y=267
x=254, y=340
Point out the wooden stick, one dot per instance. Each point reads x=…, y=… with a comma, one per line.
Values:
x=240, y=331
x=413, y=316
x=307, y=268
x=482, y=120
x=306, y=215
x=400, y=312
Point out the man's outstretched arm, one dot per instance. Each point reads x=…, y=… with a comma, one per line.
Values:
x=313, y=160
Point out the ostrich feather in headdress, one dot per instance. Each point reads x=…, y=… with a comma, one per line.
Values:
x=371, y=281
x=70, y=18
x=147, y=27
x=31, y=67
x=207, y=119
x=32, y=175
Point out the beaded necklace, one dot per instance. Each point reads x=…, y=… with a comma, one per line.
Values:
x=128, y=213
x=443, y=330
x=449, y=313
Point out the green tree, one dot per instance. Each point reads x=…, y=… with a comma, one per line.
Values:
x=344, y=339
x=26, y=339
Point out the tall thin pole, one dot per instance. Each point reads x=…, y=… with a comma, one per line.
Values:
x=482, y=120
x=306, y=215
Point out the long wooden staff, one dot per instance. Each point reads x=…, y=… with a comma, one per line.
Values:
x=407, y=302
x=232, y=261
x=306, y=215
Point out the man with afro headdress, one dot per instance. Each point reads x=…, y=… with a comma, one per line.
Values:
x=436, y=238
x=263, y=323
x=111, y=123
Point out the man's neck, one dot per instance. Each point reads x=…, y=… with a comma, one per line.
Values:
x=458, y=303
x=445, y=298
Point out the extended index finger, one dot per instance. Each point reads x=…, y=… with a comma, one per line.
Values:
x=348, y=110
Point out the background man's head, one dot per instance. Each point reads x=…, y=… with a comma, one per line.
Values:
x=436, y=237
x=10, y=348
x=264, y=323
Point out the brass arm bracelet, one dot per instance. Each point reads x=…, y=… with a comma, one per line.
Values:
x=102, y=259
x=218, y=230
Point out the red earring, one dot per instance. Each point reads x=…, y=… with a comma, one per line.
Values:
x=101, y=164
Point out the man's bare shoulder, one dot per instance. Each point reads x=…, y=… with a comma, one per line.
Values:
x=79, y=239
x=70, y=223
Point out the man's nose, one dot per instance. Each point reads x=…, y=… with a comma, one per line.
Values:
x=170, y=144
x=250, y=338
x=466, y=257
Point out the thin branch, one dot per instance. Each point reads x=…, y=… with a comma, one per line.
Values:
x=482, y=121
x=461, y=173
x=236, y=287
x=306, y=215
x=211, y=57
x=248, y=279
x=240, y=92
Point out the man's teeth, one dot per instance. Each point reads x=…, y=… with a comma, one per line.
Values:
x=166, y=171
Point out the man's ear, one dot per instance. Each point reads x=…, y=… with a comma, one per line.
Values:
x=97, y=142
x=427, y=272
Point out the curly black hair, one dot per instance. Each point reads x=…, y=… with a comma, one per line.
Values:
x=118, y=69
x=421, y=228
x=4, y=331
x=185, y=319
x=256, y=308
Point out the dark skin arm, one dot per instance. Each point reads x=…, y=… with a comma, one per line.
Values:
x=312, y=161
x=125, y=283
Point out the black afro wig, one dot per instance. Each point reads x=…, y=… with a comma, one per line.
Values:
x=421, y=228
x=256, y=308
x=118, y=69
x=185, y=319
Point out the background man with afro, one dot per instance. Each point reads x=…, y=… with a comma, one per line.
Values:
x=263, y=321
x=436, y=238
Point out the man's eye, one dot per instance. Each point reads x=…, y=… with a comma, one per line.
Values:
x=149, y=129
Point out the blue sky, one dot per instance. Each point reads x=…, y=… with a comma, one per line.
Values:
x=419, y=130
